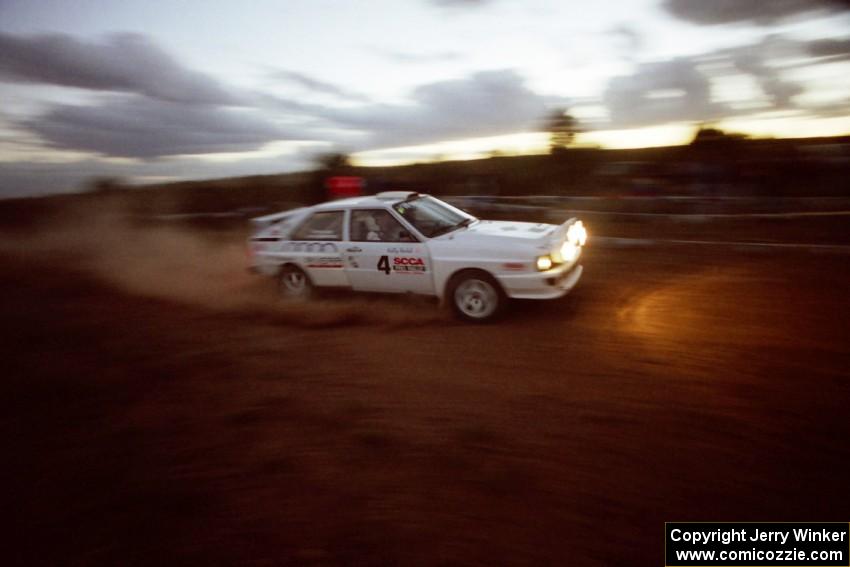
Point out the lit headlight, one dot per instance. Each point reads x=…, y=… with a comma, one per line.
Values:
x=544, y=263
x=569, y=251
x=577, y=234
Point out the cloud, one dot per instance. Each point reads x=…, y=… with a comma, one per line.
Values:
x=680, y=89
x=138, y=127
x=832, y=48
x=155, y=107
x=420, y=57
x=482, y=104
x=124, y=62
x=316, y=85
x=754, y=59
x=461, y=3
x=628, y=40
x=485, y=103
x=657, y=93
x=712, y=12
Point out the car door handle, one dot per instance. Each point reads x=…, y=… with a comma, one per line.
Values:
x=354, y=249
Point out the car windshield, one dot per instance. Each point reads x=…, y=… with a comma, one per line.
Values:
x=431, y=216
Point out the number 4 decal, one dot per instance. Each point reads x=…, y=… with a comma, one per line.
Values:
x=384, y=264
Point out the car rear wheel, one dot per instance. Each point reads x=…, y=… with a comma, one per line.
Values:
x=294, y=283
x=476, y=297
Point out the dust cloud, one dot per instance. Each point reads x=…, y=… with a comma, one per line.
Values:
x=206, y=269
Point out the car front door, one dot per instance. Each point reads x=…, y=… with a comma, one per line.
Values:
x=380, y=254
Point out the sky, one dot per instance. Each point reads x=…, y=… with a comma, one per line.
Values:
x=159, y=90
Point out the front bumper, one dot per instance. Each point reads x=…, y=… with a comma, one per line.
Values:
x=550, y=284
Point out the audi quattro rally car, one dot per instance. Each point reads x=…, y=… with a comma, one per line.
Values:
x=400, y=241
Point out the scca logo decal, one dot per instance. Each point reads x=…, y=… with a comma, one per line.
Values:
x=404, y=265
x=401, y=264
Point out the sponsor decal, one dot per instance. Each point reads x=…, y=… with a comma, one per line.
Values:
x=401, y=265
x=324, y=262
x=515, y=266
x=403, y=250
x=408, y=265
x=309, y=247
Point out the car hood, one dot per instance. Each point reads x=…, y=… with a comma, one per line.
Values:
x=505, y=232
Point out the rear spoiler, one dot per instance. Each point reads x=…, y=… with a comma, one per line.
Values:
x=268, y=220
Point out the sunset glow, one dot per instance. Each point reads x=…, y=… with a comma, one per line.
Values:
x=138, y=91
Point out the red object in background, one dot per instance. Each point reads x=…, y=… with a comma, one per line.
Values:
x=344, y=186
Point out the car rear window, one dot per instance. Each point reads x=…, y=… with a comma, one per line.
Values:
x=325, y=225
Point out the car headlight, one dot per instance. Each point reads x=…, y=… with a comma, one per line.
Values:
x=577, y=234
x=569, y=251
x=544, y=263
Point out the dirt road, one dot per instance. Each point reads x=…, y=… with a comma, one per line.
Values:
x=161, y=408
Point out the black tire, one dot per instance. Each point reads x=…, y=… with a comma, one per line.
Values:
x=294, y=283
x=476, y=296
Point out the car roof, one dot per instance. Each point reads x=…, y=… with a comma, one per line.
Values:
x=380, y=200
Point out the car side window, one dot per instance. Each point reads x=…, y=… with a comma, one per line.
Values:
x=377, y=225
x=326, y=225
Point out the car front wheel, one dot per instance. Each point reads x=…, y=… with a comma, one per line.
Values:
x=294, y=283
x=476, y=297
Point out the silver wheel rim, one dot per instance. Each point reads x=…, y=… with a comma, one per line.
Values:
x=476, y=298
x=294, y=283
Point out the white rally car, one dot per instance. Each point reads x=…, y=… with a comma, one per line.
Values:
x=401, y=242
